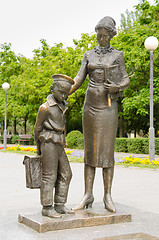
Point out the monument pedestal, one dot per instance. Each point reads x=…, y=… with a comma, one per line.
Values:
x=133, y=236
x=82, y=218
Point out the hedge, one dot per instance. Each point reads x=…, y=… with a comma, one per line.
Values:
x=121, y=145
x=135, y=145
x=75, y=139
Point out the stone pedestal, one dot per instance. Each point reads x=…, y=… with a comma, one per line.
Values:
x=134, y=236
x=82, y=218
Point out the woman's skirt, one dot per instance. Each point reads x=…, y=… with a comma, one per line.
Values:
x=99, y=128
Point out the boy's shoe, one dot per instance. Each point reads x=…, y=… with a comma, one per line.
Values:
x=49, y=211
x=60, y=208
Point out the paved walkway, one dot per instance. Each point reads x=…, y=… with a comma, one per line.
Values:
x=136, y=191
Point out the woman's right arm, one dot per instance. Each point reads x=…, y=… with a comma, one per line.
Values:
x=79, y=79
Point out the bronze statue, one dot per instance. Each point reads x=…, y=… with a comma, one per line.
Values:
x=107, y=79
x=50, y=138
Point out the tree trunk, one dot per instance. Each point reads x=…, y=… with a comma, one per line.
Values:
x=25, y=124
x=121, y=130
x=15, y=126
x=135, y=133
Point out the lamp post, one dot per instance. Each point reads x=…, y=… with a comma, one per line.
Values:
x=5, y=87
x=151, y=43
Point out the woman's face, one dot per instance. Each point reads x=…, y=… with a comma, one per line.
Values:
x=103, y=37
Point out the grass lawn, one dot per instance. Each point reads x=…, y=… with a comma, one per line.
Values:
x=138, y=165
x=75, y=159
x=19, y=152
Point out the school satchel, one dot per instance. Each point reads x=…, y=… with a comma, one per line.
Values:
x=33, y=171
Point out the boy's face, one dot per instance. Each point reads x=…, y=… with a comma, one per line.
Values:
x=61, y=90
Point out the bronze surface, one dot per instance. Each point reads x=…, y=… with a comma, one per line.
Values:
x=134, y=236
x=83, y=218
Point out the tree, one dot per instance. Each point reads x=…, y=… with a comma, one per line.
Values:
x=131, y=41
x=10, y=65
x=32, y=86
x=30, y=79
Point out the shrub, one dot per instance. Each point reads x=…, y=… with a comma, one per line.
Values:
x=134, y=145
x=121, y=145
x=32, y=141
x=145, y=145
x=74, y=139
x=157, y=146
x=14, y=138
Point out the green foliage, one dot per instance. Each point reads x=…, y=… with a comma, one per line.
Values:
x=10, y=65
x=135, y=145
x=146, y=13
x=121, y=145
x=157, y=146
x=32, y=84
x=74, y=139
x=32, y=141
x=30, y=79
x=145, y=146
x=14, y=138
x=130, y=40
x=127, y=21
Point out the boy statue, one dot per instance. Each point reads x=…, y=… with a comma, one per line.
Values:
x=50, y=138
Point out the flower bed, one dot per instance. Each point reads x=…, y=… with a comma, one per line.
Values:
x=18, y=148
x=27, y=149
x=69, y=152
x=136, y=160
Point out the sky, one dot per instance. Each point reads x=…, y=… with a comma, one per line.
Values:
x=24, y=22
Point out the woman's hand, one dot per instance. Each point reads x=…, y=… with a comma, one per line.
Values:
x=111, y=87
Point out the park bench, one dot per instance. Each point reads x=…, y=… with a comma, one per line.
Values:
x=24, y=138
x=9, y=136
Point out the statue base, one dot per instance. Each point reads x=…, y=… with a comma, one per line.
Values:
x=132, y=236
x=82, y=218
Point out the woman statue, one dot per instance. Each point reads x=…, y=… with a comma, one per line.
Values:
x=107, y=79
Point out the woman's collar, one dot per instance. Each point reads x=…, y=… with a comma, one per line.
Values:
x=104, y=50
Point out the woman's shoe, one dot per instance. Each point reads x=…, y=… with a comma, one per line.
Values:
x=86, y=202
x=108, y=202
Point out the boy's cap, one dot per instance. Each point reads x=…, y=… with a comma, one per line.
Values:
x=61, y=77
